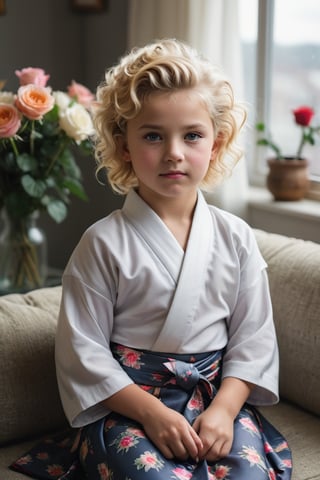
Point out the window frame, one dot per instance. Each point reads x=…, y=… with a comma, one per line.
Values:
x=264, y=60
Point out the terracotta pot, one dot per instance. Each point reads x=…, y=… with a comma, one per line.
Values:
x=288, y=179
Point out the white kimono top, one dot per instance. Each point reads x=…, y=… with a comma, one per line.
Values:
x=129, y=281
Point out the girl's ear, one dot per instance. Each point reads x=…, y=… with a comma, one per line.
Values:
x=215, y=148
x=122, y=148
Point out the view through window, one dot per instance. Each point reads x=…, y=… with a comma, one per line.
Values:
x=295, y=69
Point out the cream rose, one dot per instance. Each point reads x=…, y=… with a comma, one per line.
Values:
x=62, y=100
x=77, y=123
x=34, y=102
x=9, y=120
x=7, y=97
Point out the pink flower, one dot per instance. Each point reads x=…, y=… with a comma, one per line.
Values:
x=81, y=93
x=42, y=455
x=55, y=470
x=9, y=120
x=105, y=473
x=272, y=474
x=249, y=425
x=34, y=102
x=303, y=116
x=36, y=76
x=182, y=473
x=126, y=442
x=221, y=471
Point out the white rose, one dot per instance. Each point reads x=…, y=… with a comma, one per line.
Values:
x=77, y=123
x=7, y=97
x=62, y=100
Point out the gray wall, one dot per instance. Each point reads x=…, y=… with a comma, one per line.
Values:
x=68, y=45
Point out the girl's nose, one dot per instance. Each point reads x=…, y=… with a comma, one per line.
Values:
x=174, y=152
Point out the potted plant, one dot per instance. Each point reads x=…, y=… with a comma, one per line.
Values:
x=288, y=177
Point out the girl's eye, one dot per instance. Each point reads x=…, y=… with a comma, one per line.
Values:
x=152, y=137
x=192, y=136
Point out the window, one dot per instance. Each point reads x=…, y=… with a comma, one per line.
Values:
x=281, y=52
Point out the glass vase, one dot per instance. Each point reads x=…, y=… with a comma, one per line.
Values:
x=23, y=254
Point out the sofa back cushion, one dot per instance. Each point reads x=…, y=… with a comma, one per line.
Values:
x=294, y=277
x=29, y=398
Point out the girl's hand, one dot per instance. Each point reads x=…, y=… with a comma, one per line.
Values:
x=215, y=429
x=172, y=434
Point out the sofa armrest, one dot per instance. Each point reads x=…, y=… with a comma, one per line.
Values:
x=294, y=277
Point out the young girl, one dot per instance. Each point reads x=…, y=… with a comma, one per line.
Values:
x=165, y=339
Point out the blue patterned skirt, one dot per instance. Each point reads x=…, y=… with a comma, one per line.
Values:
x=117, y=448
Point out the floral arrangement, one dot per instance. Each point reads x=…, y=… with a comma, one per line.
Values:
x=303, y=117
x=38, y=130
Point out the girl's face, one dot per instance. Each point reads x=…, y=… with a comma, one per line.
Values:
x=170, y=144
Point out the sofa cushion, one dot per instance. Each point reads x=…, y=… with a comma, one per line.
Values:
x=29, y=398
x=294, y=276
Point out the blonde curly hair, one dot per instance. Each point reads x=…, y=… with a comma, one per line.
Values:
x=163, y=66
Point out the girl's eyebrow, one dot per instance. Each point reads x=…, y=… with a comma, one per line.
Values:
x=159, y=127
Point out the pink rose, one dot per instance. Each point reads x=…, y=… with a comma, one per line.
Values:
x=34, y=101
x=81, y=93
x=37, y=76
x=9, y=120
x=303, y=116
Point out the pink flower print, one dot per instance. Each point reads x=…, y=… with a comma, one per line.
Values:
x=272, y=474
x=282, y=446
x=287, y=462
x=253, y=457
x=196, y=402
x=24, y=460
x=182, y=473
x=157, y=376
x=214, y=370
x=55, y=470
x=42, y=456
x=131, y=358
x=84, y=449
x=109, y=424
x=148, y=460
x=249, y=426
x=137, y=432
x=267, y=447
x=124, y=441
x=104, y=472
x=221, y=472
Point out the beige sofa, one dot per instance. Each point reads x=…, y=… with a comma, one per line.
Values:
x=29, y=400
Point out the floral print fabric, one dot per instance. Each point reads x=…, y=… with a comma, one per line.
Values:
x=116, y=448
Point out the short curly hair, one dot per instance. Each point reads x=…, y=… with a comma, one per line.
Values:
x=163, y=66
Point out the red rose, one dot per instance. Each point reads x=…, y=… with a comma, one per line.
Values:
x=303, y=116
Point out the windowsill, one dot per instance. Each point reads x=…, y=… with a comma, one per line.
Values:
x=299, y=219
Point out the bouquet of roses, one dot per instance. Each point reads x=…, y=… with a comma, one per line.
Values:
x=39, y=132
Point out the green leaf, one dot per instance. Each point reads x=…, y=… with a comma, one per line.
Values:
x=35, y=188
x=75, y=188
x=260, y=127
x=263, y=142
x=57, y=210
x=26, y=162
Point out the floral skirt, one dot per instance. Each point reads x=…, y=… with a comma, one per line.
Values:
x=116, y=448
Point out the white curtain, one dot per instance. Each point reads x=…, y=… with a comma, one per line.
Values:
x=212, y=27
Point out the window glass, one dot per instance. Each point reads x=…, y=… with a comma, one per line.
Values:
x=295, y=74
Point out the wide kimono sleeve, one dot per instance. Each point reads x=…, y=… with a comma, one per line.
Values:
x=252, y=350
x=87, y=373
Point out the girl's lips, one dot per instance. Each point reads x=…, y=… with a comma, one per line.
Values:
x=175, y=174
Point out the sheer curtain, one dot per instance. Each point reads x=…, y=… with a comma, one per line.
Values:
x=211, y=26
